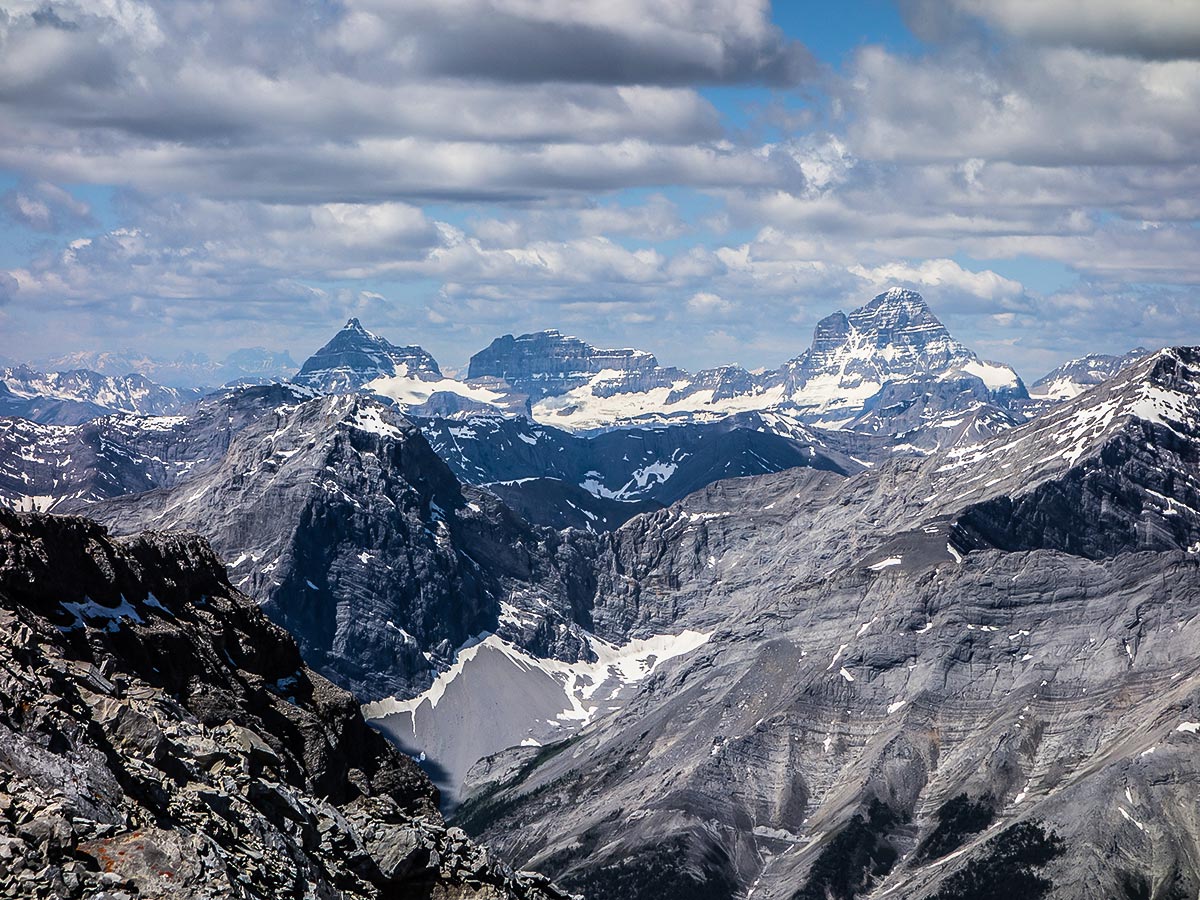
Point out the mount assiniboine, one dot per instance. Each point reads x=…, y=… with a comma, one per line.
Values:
x=864, y=371
x=875, y=624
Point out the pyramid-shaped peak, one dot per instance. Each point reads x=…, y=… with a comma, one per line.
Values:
x=354, y=357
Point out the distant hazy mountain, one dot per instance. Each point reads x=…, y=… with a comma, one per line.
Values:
x=190, y=370
x=355, y=356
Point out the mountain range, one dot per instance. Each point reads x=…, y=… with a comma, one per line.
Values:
x=878, y=623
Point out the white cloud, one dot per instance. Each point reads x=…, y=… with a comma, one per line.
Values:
x=706, y=303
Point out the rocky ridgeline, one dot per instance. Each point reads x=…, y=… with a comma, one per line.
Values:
x=70, y=398
x=160, y=737
x=959, y=678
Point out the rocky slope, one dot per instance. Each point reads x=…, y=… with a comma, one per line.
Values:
x=44, y=466
x=159, y=737
x=1074, y=377
x=960, y=677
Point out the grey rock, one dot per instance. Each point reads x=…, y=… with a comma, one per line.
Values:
x=1011, y=623
x=85, y=812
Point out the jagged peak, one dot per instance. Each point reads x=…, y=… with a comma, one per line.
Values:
x=893, y=305
x=898, y=295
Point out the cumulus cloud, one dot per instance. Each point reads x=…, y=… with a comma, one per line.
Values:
x=8, y=288
x=1043, y=107
x=465, y=100
x=706, y=303
x=473, y=166
x=984, y=291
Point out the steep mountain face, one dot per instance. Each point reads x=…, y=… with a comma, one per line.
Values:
x=549, y=363
x=894, y=338
x=160, y=737
x=897, y=751
x=923, y=414
x=974, y=670
x=356, y=356
x=353, y=534
x=1073, y=378
x=69, y=398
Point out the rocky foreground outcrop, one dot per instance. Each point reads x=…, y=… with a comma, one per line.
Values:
x=159, y=737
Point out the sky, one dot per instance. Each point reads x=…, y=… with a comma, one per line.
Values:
x=704, y=179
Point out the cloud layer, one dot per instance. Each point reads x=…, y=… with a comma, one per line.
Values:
x=451, y=170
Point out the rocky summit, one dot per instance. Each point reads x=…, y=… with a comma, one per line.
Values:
x=159, y=737
x=889, y=367
x=355, y=356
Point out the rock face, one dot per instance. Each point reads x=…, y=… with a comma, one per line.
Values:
x=44, y=466
x=938, y=678
x=353, y=534
x=160, y=737
x=549, y=363
x=356, y=356
x=69, y=398
x=894, y=338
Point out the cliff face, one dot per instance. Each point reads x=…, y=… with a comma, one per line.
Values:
x=548, y=363
x=340, y=519
x=160, y=737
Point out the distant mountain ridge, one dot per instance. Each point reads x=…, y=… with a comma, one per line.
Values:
x=74, y=397
x=893, y=339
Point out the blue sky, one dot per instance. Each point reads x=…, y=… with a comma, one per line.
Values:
x=702, y=180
